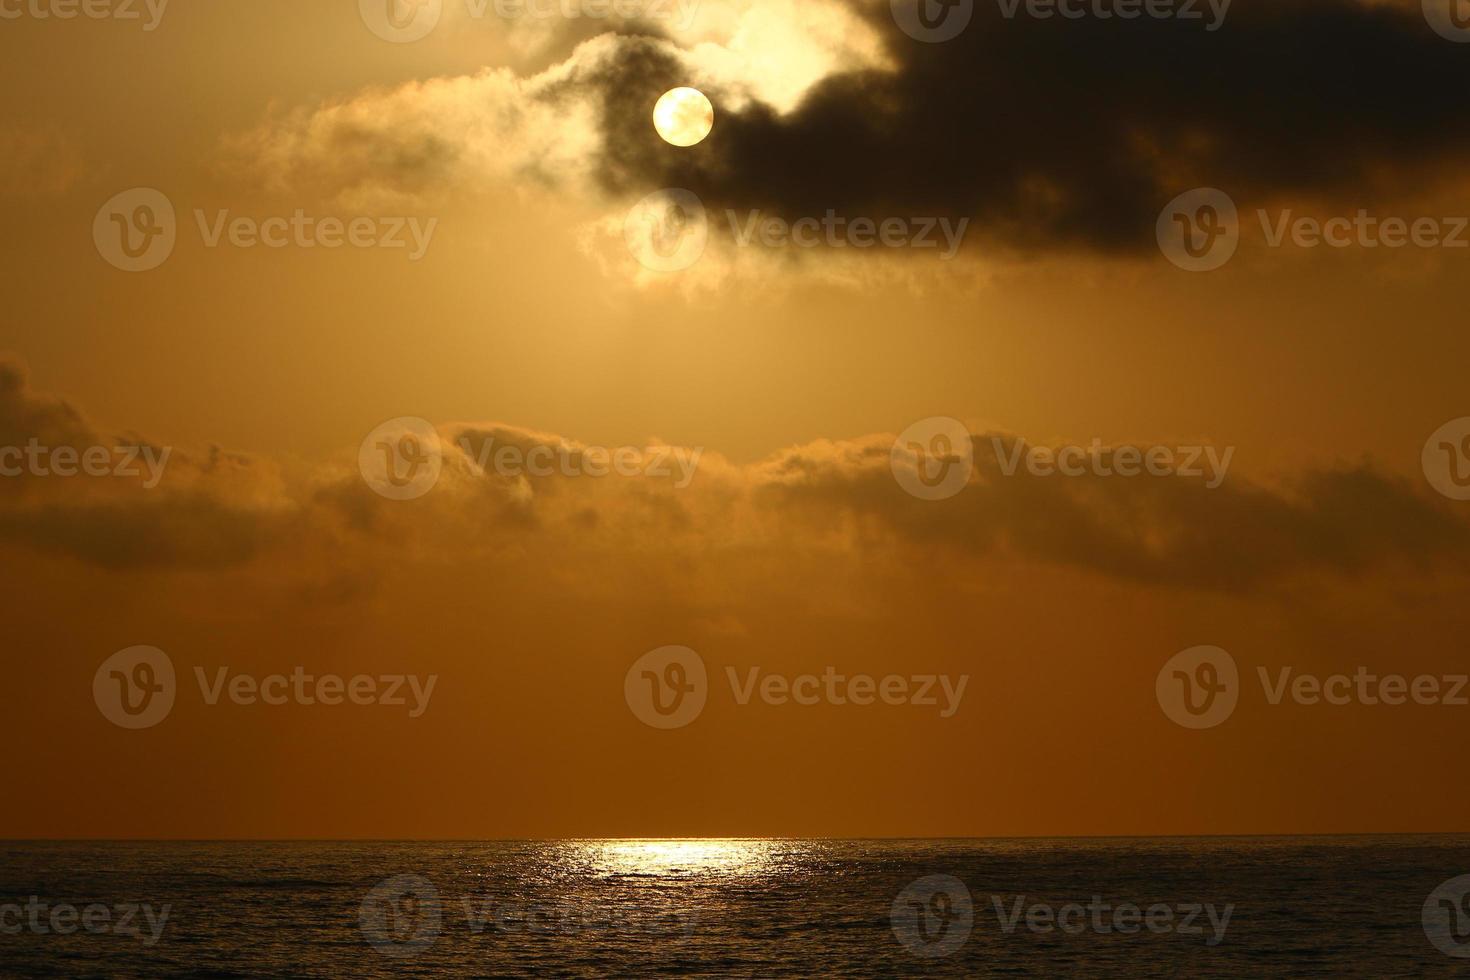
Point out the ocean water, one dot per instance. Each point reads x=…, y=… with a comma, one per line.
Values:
x=1308, y=907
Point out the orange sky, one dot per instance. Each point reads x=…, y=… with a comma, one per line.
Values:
x=793, y=549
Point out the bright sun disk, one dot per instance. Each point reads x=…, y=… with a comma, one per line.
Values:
x=684, y=116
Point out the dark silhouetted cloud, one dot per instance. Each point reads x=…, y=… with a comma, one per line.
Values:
x=1070, y=132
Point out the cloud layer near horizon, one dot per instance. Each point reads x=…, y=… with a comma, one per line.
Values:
x=218, y=509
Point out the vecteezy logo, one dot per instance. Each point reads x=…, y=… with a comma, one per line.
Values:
x=933, y=21
x=1199, y=230
x=401, y=21
x=1447, y=917
x=668, y=230
x=1447, y=459
x=934, y=459
x=402, y=916
x=135, y=688
x=1199, y=688
x=136, y=230
x=667, y=688
x=1449, y=18
x=934, y=916
x=401, y=459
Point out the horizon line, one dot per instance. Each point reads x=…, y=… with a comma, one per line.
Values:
x=839, y=839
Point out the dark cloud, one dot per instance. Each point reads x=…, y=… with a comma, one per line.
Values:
x=25, y=415
x=1169, y=531
x=1216, y=531
x=197, y=516
x=192, y=531
x=1061, y=132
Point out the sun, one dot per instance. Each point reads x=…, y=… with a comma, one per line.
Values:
x=684, y=116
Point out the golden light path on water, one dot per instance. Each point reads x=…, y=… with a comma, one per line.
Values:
x=701, y=857
x=638, y=888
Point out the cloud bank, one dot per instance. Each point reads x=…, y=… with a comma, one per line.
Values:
x=218, y=509
x=1048, y=133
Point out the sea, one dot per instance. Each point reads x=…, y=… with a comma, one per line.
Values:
x=1179, y=907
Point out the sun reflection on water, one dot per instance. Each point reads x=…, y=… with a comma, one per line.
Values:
x=681, y=857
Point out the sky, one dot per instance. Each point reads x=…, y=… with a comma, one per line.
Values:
x=1307, y=400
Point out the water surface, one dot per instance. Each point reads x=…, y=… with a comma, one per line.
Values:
x=770, y=908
